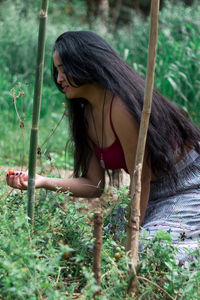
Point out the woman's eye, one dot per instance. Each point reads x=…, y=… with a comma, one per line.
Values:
x=61, y=72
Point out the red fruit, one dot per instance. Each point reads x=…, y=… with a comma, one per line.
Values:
x=11, y=172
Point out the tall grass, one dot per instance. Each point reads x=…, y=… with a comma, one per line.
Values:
x=178, y=58
x=18, y=45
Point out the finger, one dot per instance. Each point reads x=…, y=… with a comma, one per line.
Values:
x=23, y=181
x=9, y=178
x=24, y=175
x=16, y=180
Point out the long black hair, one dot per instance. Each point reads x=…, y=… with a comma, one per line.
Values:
x=88, y=58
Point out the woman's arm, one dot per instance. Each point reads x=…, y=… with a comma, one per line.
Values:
x=127, y=130
x=90, y=186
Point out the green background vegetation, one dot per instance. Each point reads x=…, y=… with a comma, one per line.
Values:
x=177, y=69
x=32, y=265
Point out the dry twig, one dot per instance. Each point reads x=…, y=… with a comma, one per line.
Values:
x=155, y=284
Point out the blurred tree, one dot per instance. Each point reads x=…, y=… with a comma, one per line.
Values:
x=116, y=12
x=97, y=9
x=188, y=2
x=119, y=11
x=69, y=8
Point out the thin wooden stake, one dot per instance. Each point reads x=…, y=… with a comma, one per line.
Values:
x=36, y=110
x=98, y=225
x=134, y=218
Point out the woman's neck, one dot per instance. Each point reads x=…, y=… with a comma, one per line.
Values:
x=96, y=95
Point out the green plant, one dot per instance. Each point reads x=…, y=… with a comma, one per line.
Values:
x=55, y=261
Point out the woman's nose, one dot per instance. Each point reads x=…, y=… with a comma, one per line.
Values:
x=59, y=77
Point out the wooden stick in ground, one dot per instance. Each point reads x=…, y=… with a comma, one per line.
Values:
x=98, y=225
x=134, y=218
x=36, y=110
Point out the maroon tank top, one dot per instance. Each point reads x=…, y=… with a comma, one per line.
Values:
x=113, y=155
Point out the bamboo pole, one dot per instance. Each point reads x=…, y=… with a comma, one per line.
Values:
x=134, y=217
x=36, y=109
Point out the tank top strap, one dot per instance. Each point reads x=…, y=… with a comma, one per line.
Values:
x=111, y=124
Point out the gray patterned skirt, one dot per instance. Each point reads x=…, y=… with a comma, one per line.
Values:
x=175, y=208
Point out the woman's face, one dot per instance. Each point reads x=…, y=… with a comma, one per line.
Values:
x=69, y=90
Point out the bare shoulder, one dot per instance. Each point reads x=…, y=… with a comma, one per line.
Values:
x=122, y=119
x=127, y=130
x=118, y=104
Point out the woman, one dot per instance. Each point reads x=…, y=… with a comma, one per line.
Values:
x=105, y=99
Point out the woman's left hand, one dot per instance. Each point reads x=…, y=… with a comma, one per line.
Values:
x=17, y=180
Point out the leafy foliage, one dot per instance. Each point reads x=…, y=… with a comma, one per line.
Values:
x=177, y=69
x=55, y=261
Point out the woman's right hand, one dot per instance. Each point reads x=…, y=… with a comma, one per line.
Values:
x=19, y=180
